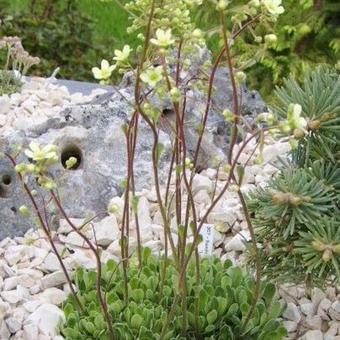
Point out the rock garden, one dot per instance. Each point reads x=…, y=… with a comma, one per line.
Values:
x=171, y=200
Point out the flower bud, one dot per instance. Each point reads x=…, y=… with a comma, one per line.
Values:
x=71, y=162
x=24, y=211
x=327, y=255
x=222, y=5
x=298, y=133
x=317, y=245
x=270, y=38
x=113, y=208
x=314, y=125
x=175, y=94
x=228, y=115
x=240, y=77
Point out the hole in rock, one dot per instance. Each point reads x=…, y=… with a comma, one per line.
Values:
x=14, y=209
x=71, y=151
x=167, y=112
x=6, y=179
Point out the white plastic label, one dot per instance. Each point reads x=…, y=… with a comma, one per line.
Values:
x=205, y=248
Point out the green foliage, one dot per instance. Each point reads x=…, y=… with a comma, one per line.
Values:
x=62, y=36
x=321, y=240
x=291, y=200
x=225, y=297
x=307, y=33
x=297, y=215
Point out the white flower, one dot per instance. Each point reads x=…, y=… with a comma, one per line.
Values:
x=38, y=154
x=121, y=56
x=104, y=72
x=164, y=38
x=274, y=7
x=152, y=75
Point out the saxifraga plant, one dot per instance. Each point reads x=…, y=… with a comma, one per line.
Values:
x=296, y=216
x=226, y=294
x=164, y=72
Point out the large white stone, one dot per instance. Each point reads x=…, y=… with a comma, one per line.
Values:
x=10, y=283
x=82, y=258
x=18, y=253
x=51, y=263
x=292, y=313
x=307, y=308
x=53, y=296
x=4, y=332
x=106, y=230
x=11, y=296
x=13, y=324
x=236, y=244
x=5, y=105
x=74, y=239
x=4, y=309
x=143, y=212
x=227, y=215
x=202, y=183
x=64, y=226
x=47, y=318
x=31, y=332
x=271, y=152
x=313, y=335
x=291, y=326
x=118, y=204
x=54, y=279
x=313, y=322
x=32, y=305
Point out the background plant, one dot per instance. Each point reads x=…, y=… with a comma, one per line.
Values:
x=59, y=32
x=306, y=34
x=17, y=62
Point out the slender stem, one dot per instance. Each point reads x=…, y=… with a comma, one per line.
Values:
x=47, y=233
x=257, y=260
x=236, y=106
x=102, y=301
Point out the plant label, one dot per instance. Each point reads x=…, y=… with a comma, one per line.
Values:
x=205, y=248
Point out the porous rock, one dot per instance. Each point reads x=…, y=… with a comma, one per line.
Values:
x=92, y=132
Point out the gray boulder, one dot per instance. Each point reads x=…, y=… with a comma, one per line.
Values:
x=93, y=134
